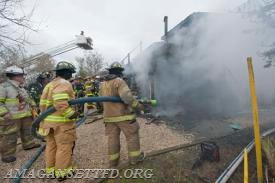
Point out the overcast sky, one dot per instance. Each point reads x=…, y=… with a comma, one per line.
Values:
x=115, y=26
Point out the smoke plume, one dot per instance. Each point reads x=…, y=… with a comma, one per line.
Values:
x=200, y=69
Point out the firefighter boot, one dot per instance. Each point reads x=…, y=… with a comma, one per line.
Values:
x=138, y=159
x=28, y=141
x=9, y=159
x=32, y=146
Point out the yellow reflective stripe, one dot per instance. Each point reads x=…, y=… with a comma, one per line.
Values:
x=2, y=99
x=88, y=86
x=91, y=105
x=43, y=102
x=63, y=172
x=134, y=153
x=114, y=156
x=68, y=112
x=50, y=102
x=21, y=115
x=119, y=118
x=49, y=170
x=12, y=100
x=135, y=104
x=59, y=119
x=46, y=102
x=43, y=132
x=3, y=110
x=10, y=130
x=61, y=96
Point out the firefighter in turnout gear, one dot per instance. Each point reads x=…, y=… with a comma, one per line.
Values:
x=59, y=128
x=89, y=92
x=35, y=89
x=15, y=115
x=120, y=117
x=79, y=92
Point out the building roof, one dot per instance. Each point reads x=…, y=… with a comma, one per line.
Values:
x=185, y=23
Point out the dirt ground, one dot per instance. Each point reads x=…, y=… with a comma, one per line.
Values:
x=177, y=166
x=91, y=147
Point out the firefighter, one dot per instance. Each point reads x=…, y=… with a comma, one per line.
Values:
x=102, y=75
x=96, y=89
x=96, y=84
x=79, y=87
x=15, y=113
x=79, y=93
x=59, y=127
x=35, y=89
x=89, y=92
x=120, y=117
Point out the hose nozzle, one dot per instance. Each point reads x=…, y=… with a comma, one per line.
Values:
x=153, y=103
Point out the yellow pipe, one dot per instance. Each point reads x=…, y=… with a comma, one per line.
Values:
x=255, y=116
x=245, y=168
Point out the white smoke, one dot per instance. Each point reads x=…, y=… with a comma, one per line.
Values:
x=203, y=72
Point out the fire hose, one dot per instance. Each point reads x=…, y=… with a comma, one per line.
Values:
x=43, y=115
x=223, y=178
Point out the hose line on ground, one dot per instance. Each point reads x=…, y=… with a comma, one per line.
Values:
x=223, y=178
x=43, y=115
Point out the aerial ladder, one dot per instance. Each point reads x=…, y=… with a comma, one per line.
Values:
x=80, y=41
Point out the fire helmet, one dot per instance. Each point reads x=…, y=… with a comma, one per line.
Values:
x=63, y=65
x=116, y=66
x=14, y=70
x=44, y=75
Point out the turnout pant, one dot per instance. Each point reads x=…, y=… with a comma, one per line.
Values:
x=59, y=149
x=9, y=132
x=131, y=131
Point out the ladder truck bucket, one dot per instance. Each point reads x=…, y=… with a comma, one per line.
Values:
x=84, y=42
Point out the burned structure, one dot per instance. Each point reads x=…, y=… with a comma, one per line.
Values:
x=199, y=69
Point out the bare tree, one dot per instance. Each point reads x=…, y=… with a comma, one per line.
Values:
x=91, y=64
x=13, y=27
x=264, y=11
x=44, y=64
x=94, y=62
x=11, y=56
x=82, y=71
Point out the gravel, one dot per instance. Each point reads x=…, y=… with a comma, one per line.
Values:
x=91, y=147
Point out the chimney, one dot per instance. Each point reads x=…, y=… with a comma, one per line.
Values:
x=165, y=25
